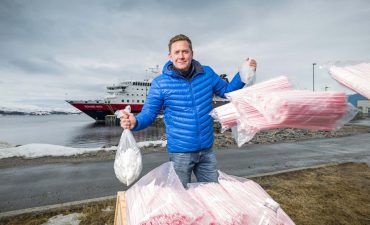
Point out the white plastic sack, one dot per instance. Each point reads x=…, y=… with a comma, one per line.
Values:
x=247, y=73
x=128, y=162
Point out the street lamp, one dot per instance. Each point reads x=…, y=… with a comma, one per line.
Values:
x=313, y=76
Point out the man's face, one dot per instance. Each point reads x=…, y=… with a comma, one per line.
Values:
x=181, y=55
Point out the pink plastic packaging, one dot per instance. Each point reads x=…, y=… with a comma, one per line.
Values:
x=229, y=114
x=159, y=198
x=224, y=209
x=301, y=109
x=257, y=204
x=356, y=77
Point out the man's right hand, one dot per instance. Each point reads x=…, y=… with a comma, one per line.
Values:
x=128, y=120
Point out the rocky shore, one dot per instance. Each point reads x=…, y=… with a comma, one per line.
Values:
x=222, y=142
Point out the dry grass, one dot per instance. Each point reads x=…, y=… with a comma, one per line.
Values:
x=332, y=195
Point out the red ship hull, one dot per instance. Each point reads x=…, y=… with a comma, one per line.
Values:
x=98, y=111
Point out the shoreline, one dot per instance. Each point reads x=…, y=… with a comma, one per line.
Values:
x=221, y=143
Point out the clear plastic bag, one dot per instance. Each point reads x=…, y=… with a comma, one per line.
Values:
x=256, y=202
x=351, y=112
x=128, y=162
x=247, y=73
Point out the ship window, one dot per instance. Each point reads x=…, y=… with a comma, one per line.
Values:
x=123, y=100
x=142, y=95
x=132, y=94
x=137, y=94
x=128, y=100
x=142, y=101
x=138, y=101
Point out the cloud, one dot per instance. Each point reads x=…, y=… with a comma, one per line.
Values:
x=79, y=47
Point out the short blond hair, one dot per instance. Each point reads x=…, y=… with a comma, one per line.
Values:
x=180, y=37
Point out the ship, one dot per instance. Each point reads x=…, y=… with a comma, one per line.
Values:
x=129, y=92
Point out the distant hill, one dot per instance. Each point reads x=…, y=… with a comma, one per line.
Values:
x=23, y=111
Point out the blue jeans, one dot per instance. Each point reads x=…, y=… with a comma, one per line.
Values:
x=203, y=163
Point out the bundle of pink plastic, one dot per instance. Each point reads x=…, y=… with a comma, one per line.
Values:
x=229, y=115
x=226, y=115
x=274, y=104
x=301, y=109
x=355, y=77
x=258, y=205
x=224, y=209
x=159, y=198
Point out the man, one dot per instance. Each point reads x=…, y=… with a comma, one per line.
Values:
x=184, y=90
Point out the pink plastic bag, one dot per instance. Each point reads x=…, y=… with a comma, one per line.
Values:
x=160, y=198
x=214, y=198
x=356, y=77
x=257, y=204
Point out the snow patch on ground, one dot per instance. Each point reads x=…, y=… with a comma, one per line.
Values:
x=70, y=219
x=41, y=150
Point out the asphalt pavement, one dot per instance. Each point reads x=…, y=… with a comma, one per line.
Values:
x=33, y=186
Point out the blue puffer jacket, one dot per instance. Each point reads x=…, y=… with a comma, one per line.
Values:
x=186, y=105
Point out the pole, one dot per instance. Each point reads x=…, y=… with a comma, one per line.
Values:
x=313, y=76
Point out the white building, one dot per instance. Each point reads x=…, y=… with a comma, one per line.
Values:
x=364, y=106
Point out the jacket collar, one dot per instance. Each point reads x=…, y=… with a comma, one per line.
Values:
x=168, y=69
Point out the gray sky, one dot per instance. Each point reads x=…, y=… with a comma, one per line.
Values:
x=55, y=50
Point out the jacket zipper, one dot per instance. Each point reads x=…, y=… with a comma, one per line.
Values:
x=196, y=112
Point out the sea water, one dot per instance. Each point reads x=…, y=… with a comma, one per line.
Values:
x=79, y=131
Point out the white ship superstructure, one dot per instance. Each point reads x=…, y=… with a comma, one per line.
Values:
x=131, y=92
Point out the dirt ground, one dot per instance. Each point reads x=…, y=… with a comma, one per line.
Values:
x=331, y=195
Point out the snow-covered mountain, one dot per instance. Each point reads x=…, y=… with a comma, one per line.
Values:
x=34, y=110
